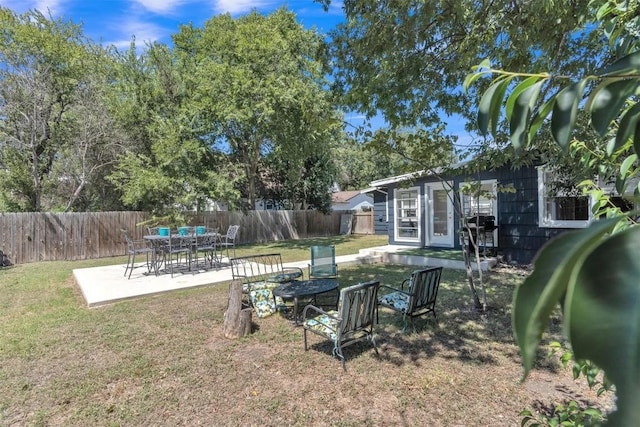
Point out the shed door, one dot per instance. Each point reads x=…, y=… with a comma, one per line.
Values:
x=440, y=216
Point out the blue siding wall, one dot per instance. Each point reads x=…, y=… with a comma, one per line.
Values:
x=380, y=225
x=519, y=237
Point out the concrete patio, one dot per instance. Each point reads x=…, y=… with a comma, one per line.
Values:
x=106, y=285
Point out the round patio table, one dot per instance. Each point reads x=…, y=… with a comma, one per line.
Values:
x=297, y=289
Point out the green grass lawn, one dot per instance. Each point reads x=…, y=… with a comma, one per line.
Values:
x=163, y=360
x=453, y=254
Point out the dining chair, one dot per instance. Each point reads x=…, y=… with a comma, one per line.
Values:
x=136, y=247
x=177, y=246
x=229, y=240
x=206, y=243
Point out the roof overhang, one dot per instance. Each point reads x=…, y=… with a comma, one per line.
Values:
x=382, y=183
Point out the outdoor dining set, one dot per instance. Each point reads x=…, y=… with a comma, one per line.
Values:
x=187, y=248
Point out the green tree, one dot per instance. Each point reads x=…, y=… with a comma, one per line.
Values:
x=592, y=272
x=56, y=137
x=259, y=84
x=171, y=163
x=359, y=163
x=406, y=60
x=300, y=186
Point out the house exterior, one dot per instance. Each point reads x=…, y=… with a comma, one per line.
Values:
x=351, y=201
x=417, y=210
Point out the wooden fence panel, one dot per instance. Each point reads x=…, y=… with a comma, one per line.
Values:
x=362, y=223
x=30, y=237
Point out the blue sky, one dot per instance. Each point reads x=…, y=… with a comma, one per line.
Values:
x=115, y=22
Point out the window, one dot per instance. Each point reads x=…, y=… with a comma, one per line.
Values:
x=560, y=209
x=484, y=203
x=407, y=214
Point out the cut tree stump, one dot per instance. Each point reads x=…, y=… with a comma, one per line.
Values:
x=237, y=320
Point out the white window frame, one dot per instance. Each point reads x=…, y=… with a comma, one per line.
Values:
x=396, y=215
x=543, y=219
x=467, y=200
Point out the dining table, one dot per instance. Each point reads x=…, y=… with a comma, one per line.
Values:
x=191, y=242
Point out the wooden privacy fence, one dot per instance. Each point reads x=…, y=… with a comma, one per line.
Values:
x=362, y=223
x=30, y=237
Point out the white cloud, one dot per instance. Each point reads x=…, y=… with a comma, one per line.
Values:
x=161, y=6
x=55, y=6
x=44, y=6
x=142, y=30
x=241, y=6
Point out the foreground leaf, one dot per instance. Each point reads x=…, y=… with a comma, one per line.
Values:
x=565, y=112
x=626, y=128
x=603, y=315
x=522, y=115
x=485, y=106
x=540, y=293
x=629, y=64
x=607, y=102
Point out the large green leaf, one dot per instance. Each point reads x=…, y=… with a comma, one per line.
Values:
x=538, y=119
x=626, y=128
x=515, y=94
x=636, y=139
x=565, y=112
x=540, y=293
x=472, y=77
x=485, y=107
x=607, y=102
x=629, y=64
x=627, y=163
x=522, y=114
x=496, y=104
x=603, y=316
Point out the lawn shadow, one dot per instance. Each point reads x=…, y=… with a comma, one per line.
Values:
x=461, y=331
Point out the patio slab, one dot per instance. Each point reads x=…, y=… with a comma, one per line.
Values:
x=107, y=285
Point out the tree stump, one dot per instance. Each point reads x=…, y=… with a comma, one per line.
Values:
x=237, y=320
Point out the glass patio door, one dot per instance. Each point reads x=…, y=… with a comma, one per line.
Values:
x=440, y=217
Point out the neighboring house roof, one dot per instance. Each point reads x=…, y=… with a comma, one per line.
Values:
x=344, y=196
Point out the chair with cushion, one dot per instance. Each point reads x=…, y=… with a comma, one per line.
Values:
x=350, y=323
x=136, y=247
x=323, y=262
x=418, y=298
x=263, y=301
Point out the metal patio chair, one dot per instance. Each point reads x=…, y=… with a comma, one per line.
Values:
x=228, y=241
x=351, y=323
x=136, y=247
x=418, y=299
x=323, y=262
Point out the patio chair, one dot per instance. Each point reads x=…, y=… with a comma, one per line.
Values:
x=323, y=262
x=177, y=246
x=418, y=299
x=135, y=247
x=229, y=240
x=207, y=244
x=351, y=323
